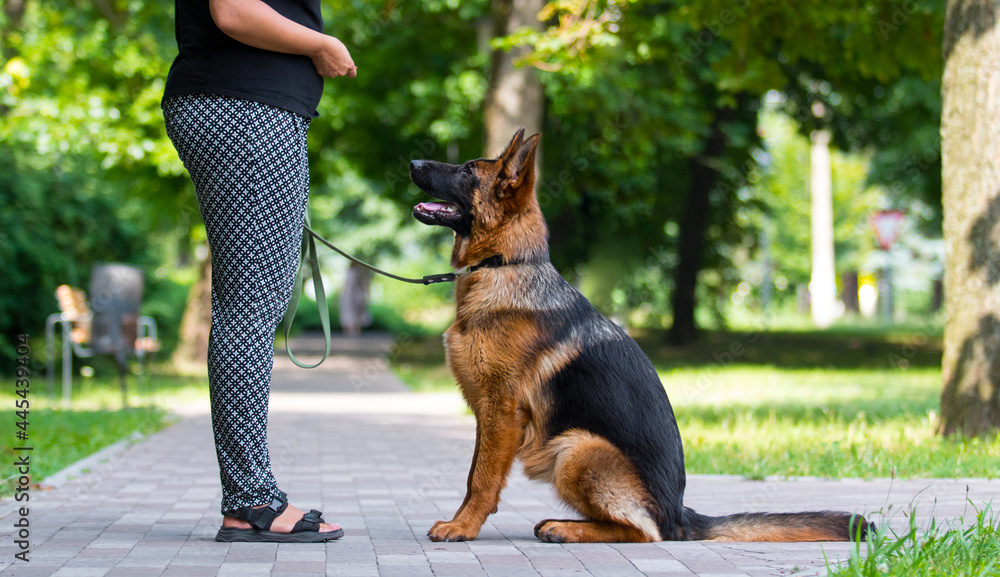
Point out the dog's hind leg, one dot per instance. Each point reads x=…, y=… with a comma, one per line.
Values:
x=594, y=477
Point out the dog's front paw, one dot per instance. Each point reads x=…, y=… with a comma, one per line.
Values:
x=452, y=531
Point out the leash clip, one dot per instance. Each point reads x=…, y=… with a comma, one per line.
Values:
x=438, y=278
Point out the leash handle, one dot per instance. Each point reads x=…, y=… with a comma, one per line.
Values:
x=308, y=254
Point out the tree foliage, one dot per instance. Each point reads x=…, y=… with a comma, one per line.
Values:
x=864, y=69
x=88, y=174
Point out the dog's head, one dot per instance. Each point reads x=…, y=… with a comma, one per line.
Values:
x=486, y=202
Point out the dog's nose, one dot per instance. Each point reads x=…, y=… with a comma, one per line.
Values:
x=416, y=164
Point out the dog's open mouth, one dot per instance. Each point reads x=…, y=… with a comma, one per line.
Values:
x=439, y=213
x=446, y=209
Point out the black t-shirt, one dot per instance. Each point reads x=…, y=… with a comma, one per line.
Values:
x=211, y=62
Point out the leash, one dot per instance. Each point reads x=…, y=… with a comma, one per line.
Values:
x=425, y=280
x=308, y=254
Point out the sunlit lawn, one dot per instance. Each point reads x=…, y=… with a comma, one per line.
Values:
x=758, y=421
x=841, y=405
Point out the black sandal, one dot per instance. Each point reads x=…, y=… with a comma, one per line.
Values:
x=306, y=529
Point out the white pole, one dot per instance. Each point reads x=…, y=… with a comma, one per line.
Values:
x=822, y=283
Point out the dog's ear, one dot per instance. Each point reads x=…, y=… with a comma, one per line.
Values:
x=520, y=167
x=515, y=144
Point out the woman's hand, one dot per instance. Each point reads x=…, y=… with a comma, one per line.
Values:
x=332, y=59
x=256, y=24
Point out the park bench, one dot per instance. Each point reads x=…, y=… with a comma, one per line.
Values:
x=121, y=332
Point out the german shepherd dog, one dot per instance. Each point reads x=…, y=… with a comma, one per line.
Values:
x=556, y=384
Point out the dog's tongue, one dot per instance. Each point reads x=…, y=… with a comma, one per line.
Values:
x=436, y=206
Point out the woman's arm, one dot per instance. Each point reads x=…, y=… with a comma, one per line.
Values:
x=255, y=23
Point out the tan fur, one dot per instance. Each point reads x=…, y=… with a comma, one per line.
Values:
x=595, y=478
x=508, y=235
x=748, y=531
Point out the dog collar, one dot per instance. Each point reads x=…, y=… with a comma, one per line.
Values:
x=494, y=261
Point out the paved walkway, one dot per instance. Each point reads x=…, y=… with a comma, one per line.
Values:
x=386, y=464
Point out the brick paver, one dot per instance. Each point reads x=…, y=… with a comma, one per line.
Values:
x=386, y=464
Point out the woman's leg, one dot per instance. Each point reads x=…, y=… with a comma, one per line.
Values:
x=250, y=171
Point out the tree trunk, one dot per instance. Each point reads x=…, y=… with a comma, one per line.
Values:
x=192, y=350
x=693, y=226
x=13, y=11
x=937, y=296
x=850, y=294
x=515, y=97
x=970, y=140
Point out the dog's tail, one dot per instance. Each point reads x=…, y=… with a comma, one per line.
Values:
x=780, y=527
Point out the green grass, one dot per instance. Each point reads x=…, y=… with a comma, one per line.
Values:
x=757, y=421
x=61, y=435
x=104, y=392
x=972, y=551
x=843, y=404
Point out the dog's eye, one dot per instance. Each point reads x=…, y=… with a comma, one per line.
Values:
x=467, y=169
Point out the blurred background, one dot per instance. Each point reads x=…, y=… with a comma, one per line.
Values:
x=675, y=167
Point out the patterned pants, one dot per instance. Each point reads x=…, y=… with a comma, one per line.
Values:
x=250, y=172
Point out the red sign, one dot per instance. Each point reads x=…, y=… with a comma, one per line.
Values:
x=887, y=224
